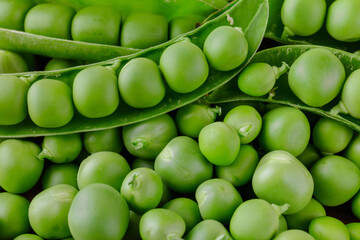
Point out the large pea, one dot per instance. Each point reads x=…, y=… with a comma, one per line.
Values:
x=48, y=211
x=13, y=215
x=98, y=212
x=95, y=92
x=183, y=24
x=20, y=169
x=103, y=140
x=143, y=30
x=349, y=94
x=13, y=106
x=316, y=77
x=184, y=66
x=11, y=62
x=97, y=24
x=140, y=83
x=50, y=19
x=328, y=228
x=354, y=230
x=209, y=229
x=13, y=12
x=50, y=103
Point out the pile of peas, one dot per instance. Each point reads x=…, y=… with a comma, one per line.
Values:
x=236, y=171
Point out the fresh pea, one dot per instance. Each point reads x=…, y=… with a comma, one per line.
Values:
x=11, y=62
x=58, y=63
x=354, y=230
x=208, y=229
x=294, y=234
x=132, y=232
x=355, y=205
x=328, y=228
x=13, y=12
x=28, y=236
x=183, y=24
x=103, y=140
x=282, y=225
x=309, y=156
x=349, y=96
x=60, y=174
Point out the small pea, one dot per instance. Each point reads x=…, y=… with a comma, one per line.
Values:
x=13, y=106
x=184, y=24
x=60, y=174
x=57, y=64
x=143, y=30
x=257, y=79
x=328, y=228
x=208, y=229
x=141, y=84
x=139, y=163
x=11, y=62
x=95, y=92
x=352, y=151
x=132, y=232
x=50, y=19
x=103, y=140
x=294, y=234
x=184, y=66
x=226, y=48
x=354, y=230
x=349, y=95
x=309, y=156
x=50, y=103
x=282, y=225
x=28, y=236
x=97, y=24
x=355, y=205
x=13, y=12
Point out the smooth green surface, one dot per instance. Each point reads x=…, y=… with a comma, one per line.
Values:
x=11, y=62
x=60, y=174
x=13, y=12
x=208, y=229
x=103, y=140
x=328, y=228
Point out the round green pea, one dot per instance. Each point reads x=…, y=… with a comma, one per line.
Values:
x=184, y=66
x=183, y=24
x=57, y=64
x=13, y=106
x=48, y=211
x=28, y=236
x=355, y=205
x=349, y=95
x=354, y=230
x=336, y=180
x=50, y=103
x=316, y=77
x=50, y=19
x=95, y=92
x=13, y=215
x=13, y=12
x=352, y=151
x=11, y=62
x=328, y=228
x=20, y=169
x=219, y=143
x=141, y=84
x=103, y=167
x=103, y=140
x=60, y=174
x=294, y=234
x=208, y=229
x=282, y=225
x=143, y=30
x=226, y=48
x=97, y=24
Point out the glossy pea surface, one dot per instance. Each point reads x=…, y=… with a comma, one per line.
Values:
x=103, y=140
x=352, y=151
x=141, y=84
x=328, y=228
x=11, y=62
x=50, y=103
x=60, y=174
x=349, y=95
x=28, y=236
x=208, y=229
x=13, y=12
x=294, y=234
x=354, y=230
x=184, y=66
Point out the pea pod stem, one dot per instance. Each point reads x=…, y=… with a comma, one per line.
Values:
x=216, y=111
x=45, y=154
x=278, y=71
x=139, y=143
x=281, y=209
x=339, y=108
x=286, y=33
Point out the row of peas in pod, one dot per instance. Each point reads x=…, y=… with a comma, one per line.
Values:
x=93, y=24
x=95, y=91
x=305, y=18
x=240, y=176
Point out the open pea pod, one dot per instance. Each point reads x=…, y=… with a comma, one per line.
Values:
x=250, y=15
x=275, y=30
x=282, y=93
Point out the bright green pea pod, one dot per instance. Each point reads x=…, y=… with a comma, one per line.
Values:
x=249, y=15
x=282, y=93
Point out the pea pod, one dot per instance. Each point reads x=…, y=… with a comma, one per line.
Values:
x=282, y=93
x=250, y=15
x=275, y=30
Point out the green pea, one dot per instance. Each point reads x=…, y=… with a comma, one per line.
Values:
x=285, y=128
x=103, y=140
x=303, y=17
x=103, y=167
x=314, y=82
x=187, y=209
x=13, y=12
x=282, y=225
x=139, y=162
x=355, y=205
x=132, y=232
x=28, y=236
x=257, y=79
x=352, y=151
x=13, y=215
x=184, y=66
x=254, y=219
x=48, y=211
x=219, y=143
x=246, y=121
x=61, y=148
x=226, y=48
x=217, y=199
x=301, y=220
x=50, y=19
x=328, y=228
x=181, y=165
x=242, y=169
x=336, y=180
x=342, y=21
x=60, y=174
x=57, y=64
x=95, y=92
x=97, y=24
x=161, y=224
x=20, y=169
x=191, y=118
x=309, y=156
x=140, y=83
x=50, y=103
x=143, y=30
x=13, y=107
x=349, y=96
x=11, y=62
x=330, y=136
x=208, y=229
x=294, y=234
x=146, y=139
x=142, y=189
x=282, y=179
x=184, y=24
x=98, y=211
x=354, y=230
